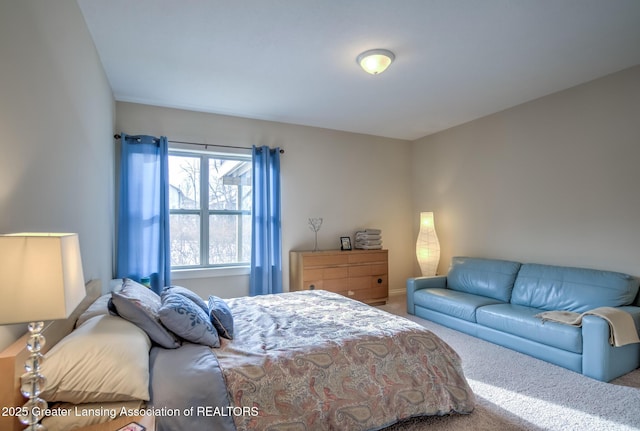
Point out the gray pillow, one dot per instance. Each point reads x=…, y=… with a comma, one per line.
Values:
x=221, y=317
x=186, y=293
x=99, y=307
x=140, y=305
x=186, y=319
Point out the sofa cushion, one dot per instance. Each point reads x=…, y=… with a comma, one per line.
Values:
x=485, y=277
x=520, y=321
x=451, y=302
x=573, y=289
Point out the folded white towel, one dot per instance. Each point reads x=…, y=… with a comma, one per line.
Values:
x=365, y=237
x=371, y=231
x=369, y=242
x=369, y=247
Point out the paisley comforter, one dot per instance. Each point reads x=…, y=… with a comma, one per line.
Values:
x=315, y=360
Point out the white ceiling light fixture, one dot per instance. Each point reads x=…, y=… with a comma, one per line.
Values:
x=375, y=61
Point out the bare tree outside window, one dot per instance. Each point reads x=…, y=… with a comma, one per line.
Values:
x=210, y=230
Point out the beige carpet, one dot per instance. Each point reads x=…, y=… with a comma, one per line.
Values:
x=518, y=392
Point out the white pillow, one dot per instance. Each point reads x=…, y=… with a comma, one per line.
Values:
x=99, y=306
x=105, y=359
x=78, y=416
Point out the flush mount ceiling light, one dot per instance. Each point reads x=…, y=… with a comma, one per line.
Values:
x=375, y=61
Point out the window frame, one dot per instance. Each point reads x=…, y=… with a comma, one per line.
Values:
x=205, y=269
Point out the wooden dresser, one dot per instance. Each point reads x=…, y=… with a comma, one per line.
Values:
x=357, y=274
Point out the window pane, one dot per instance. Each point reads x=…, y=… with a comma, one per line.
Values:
x=223, y=247
x=185, y=239
x=245, y=251
x=184, y=182
x=228, y=183
x=228, y=239
x=245, y=197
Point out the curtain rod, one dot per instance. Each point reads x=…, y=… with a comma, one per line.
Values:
x=117, y=136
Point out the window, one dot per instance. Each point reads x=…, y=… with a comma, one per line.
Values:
x=210, y=209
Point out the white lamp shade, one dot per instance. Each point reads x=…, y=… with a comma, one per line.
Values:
x=40, y=276
x=427, y=245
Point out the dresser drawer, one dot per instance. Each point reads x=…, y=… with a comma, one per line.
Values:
x=368, y=269
x=379, y=269
x=325, y=260
x=359, y=270
x=368, y=282
x=333, y=285
x=377, y=294
x=357, y=274
x=326, y=273
x=372, y=256
x=360, y=282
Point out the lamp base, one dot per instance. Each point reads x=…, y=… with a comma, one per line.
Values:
x=32, y=382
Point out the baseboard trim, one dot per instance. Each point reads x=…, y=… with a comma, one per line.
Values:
x=397, y=292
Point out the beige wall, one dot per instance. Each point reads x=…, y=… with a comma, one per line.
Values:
x=56, y=122
x=553, y=181
x=351, y=180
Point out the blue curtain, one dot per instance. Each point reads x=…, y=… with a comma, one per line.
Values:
x=143, y=211
x=266, y=237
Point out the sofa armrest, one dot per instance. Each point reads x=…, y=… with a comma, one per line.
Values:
x=602, y=361
x=417, y=283
x=635, y=313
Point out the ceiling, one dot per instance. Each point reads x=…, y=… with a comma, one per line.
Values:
x=293, y=61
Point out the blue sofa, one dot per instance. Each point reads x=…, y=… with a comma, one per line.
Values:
x=497, y=300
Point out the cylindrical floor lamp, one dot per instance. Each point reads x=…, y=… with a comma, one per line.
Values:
x=427, y=245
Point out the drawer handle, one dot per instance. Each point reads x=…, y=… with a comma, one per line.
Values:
x=312, y=287
x=379, y=281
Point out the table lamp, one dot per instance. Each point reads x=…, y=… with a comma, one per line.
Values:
x=40, y=279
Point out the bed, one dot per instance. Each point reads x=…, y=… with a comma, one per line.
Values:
x=310, y=360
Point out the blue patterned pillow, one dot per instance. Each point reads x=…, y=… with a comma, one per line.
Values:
x=221, y=317
x=187, y=293
x=187, y=320
x=140, y=305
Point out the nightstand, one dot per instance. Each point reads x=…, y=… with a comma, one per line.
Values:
x=148, y=422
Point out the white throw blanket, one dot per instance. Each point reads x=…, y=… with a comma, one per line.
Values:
x=622, y=328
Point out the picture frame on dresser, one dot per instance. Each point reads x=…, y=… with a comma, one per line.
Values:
x=345, y=243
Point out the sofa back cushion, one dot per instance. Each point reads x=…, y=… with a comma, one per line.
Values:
x=486, y=277
x=573, y=289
